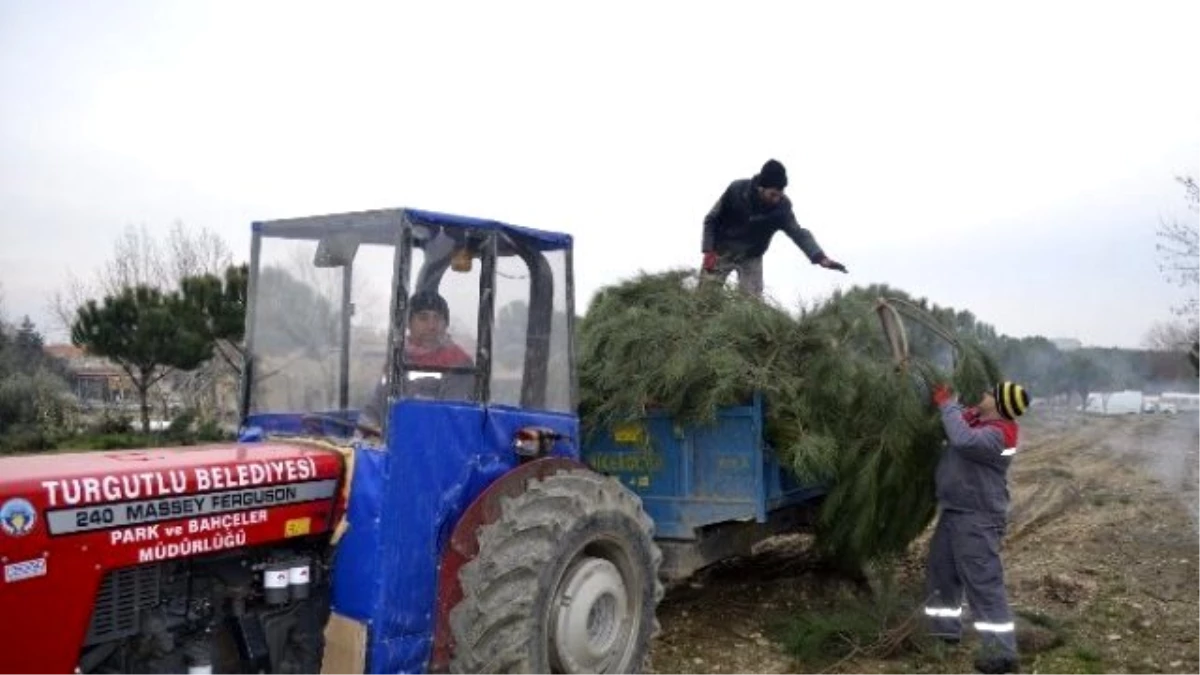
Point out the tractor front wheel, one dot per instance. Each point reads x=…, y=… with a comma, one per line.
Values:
x=566, y=581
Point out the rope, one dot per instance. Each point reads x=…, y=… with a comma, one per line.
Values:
x=919, y=314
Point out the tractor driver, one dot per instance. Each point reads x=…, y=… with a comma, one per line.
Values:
x=428, y=346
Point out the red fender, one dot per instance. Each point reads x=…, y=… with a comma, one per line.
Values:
x=464, y=545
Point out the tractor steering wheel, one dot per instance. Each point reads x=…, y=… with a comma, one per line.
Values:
x=425, y=387
x=315, y=424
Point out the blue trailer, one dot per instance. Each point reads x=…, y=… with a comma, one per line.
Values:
x=712, y=490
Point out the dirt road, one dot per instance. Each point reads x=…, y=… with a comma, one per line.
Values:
x=1101, y=563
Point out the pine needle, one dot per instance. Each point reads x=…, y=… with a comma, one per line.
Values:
x=839, y=410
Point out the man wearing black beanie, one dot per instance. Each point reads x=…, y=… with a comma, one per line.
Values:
x=739, y=228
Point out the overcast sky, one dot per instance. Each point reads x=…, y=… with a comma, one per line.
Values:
x=1013, y=159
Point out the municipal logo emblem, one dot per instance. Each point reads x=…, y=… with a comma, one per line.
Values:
x=17, y=517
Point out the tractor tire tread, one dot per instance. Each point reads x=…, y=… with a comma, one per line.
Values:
x=493, y=624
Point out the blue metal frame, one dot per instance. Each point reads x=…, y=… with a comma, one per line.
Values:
x=689, y=476
x=382, y=226
x=406, y=501
x=436, y=457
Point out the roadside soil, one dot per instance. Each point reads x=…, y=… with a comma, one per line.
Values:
x=1100, y=559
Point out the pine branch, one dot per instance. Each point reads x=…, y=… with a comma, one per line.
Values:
x=837, y=406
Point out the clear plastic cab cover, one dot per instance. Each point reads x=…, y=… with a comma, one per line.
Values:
x=298, y=326
x=322, y=315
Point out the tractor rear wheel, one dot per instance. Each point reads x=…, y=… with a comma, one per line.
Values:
x=566, y=581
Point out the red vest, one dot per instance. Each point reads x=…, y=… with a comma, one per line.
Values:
x=1007, y=427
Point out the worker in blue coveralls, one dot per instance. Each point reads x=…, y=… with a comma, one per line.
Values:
x=972, y=496
x=739, y=228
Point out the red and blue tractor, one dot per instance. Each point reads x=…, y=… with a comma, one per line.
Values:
x=381, y=510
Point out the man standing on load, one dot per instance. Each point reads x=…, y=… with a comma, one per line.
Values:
x=739, y=228
x=972, y=496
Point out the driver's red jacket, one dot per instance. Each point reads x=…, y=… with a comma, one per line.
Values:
x=448, y=355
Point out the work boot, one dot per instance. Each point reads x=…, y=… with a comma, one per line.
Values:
x=997, y=664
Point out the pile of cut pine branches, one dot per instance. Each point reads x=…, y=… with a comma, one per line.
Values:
x=840, y=410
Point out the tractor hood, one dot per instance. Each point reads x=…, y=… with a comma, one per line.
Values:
x=75, y=480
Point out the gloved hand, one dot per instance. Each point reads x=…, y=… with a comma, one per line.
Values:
x=941, y=394
x=831, y=264
x=710, y=262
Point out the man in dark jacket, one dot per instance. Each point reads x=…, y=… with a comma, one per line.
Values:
x=972, y=495
x=739, y=228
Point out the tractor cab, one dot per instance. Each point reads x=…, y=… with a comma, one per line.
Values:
x=437, y=352
x=347, y=313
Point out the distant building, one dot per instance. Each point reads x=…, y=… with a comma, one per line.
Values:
x=1067, y=344
x=92, y=378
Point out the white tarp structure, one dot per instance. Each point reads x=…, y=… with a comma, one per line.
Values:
x=1182, y=401
x=1128, y=402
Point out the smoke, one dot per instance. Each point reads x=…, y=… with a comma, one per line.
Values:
x=943, y=356
x=1162, y=447
x=1168, y=448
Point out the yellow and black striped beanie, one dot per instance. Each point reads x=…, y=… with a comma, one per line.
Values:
x=1011, y=399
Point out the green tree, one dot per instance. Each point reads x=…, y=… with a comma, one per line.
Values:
x=28, y=339
x=215, y=309
x=21, y=351
x=5, y=356
x=1033, y=361
x=144, y=332
x=37, y=402
x=1084, y=374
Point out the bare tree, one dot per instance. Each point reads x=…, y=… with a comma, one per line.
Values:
x=191, y=254
x=1179, y=250
x=140, y=259
x=1170, y=336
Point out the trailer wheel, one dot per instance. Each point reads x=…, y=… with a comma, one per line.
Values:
x=566, y=581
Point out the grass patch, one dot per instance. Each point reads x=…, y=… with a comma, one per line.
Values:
x=885, y=624
x=1079, y=659
x=1073, y=648
x=1041, y=619
x=1042, y=634
x=1089, y=659
x=825, y=637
